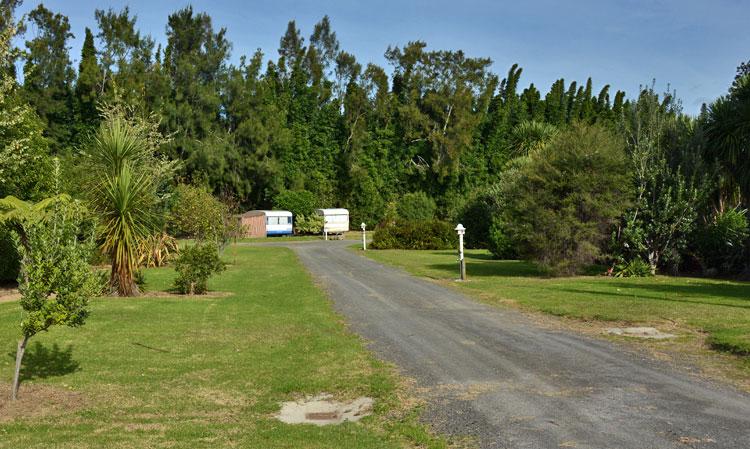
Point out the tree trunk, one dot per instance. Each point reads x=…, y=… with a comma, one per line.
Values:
x=17, y=376
x=121, y=280
x=653, y=260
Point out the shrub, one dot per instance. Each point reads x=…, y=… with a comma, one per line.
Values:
x=500, y=243
x=157, y=250
x=308, y=224
x=565, y=199
x=415, y=235
x=416, y=206
x=195, y=265
x=298, y=202
x=633, y=268
x=197, y=214
x=720, y=243
x=478, y=214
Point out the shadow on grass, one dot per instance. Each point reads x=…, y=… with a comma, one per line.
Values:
x=41, y=362
x=483, y=265
x=651, y=297
x=740, y=291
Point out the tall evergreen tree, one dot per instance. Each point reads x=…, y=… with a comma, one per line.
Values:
x=48, y=75
x=87, y=88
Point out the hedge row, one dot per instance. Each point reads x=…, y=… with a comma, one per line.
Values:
x=415, y=235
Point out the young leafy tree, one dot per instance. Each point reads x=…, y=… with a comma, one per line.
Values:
x=197, y=214
x=664, y=208
x=55, y=239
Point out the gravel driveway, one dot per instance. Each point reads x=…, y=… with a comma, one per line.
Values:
x=491, y=374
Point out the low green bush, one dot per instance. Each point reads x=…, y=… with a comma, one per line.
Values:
x=308, y=224
x=500, y=243
x=415, y=235
x=195, y=265
x=632, y=268
x=720, y=243
x=416, y=206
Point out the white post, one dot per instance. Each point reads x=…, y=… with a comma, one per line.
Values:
x=461, y=230
x=364, y=237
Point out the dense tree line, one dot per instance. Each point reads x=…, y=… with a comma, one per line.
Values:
x=313, y=118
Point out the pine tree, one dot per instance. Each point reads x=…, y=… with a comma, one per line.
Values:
x=87, y=89
x=555, y=109
x=48, y=75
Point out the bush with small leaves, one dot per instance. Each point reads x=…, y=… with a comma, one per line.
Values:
x=195, y=265
x=197, y=214
x=308, y=224
x=416, y=206
x=500, y=243
x=415, y=235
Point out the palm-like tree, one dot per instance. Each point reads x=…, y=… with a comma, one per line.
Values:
x=123, y=195
x=728, y=132
x=530, y=136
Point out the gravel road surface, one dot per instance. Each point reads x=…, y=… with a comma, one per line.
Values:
x=491, y=374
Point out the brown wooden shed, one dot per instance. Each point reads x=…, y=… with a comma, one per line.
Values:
x=264, y=223
x=253, y=223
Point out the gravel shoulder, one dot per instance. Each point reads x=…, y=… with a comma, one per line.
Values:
x=495, y=376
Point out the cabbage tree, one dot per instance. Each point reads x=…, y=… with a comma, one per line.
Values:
x=124, y=178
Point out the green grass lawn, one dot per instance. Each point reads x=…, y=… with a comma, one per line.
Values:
x=720, y=308
x=202, y=372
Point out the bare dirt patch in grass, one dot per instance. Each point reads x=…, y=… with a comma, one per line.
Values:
x=38, y=401
x=9, y=294
x=163, y=294
x=323, y=410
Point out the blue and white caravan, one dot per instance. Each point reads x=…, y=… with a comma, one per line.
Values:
x=278, y=222
x=263, y=223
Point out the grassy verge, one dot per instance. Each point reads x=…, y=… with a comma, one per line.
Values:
x=204, y=372
x=720, y=309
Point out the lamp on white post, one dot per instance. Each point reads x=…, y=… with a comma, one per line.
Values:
x=364, y=236
x=461, y=230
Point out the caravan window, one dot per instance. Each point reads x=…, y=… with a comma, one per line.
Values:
x=278, y=220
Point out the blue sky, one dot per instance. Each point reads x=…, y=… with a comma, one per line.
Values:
x=694, y=46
